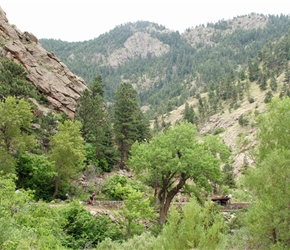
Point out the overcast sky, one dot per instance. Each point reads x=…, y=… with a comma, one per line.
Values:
x=80, y=20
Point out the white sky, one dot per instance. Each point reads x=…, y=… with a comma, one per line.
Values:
x=80, y=20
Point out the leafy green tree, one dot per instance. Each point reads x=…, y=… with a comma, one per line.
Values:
x=129, y=123
x=35, y=172
x=15, y=135
x=67, y=152
x=268, y=219
x=172, y=158
x=135, y=209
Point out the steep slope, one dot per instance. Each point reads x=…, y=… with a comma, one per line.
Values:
x=167, y=67
x=50, y=76
x=234, y=118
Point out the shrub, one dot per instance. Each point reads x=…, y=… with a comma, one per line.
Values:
x=112, y=187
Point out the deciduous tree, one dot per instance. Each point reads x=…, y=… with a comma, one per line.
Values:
x=15, y=135
x=175, y=156
x=67, y=152
x=268, y=219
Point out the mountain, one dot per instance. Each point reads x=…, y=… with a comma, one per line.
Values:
x=167, y=67
x=46, y=72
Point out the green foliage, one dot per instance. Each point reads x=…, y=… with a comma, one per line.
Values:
x=23, y=223
x=15, y=136
x=173, y=157
x=48, y=127
x=129, y=122
x=189, y=114
x=228, y=176
x=67, y=152
x=243, y=120
x=218, y=131
x=117, y=187
x=198, y=227
x=13, y=81
x=135, y=210
x=35, y=172
x=96, y=127
x=268, y=219
x=195, y=228
x=83, y=230
x=268, y=97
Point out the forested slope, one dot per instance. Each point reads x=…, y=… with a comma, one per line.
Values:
x=188, y=62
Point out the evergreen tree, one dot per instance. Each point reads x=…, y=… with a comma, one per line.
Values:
x=254, y=70
x=13, y=80
x=189, y=114
x=96, y=127
x=129, y=124
x=287, y=75
x=263, y=82
x=273, y=83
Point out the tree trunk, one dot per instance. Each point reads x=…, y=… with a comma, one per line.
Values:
x=56, y=187
x=165, y=203
x=164, y=208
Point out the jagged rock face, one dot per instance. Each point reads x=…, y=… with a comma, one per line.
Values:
x=51, y=77
x=140, y=44
x=204, y=35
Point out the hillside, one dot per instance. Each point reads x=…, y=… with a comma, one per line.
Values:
x=46, y=72
x=170, y=69
x=167, y=67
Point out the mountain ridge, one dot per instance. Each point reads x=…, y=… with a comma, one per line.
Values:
x=165, y=80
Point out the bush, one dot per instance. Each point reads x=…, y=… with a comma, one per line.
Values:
x=83, y=230
x=218, y=131
x=251, y=100
x=112, y=186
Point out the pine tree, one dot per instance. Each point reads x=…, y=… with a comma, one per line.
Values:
x=96, y=125
x=273, y=83
x=129, y=123
x=189, y=114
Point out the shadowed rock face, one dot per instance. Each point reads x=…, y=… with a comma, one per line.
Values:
x=50, y=76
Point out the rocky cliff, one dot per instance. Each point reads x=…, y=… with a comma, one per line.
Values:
x=49, y=75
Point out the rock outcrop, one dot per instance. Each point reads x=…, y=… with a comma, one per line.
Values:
x=49, y=75
x=139, y=44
